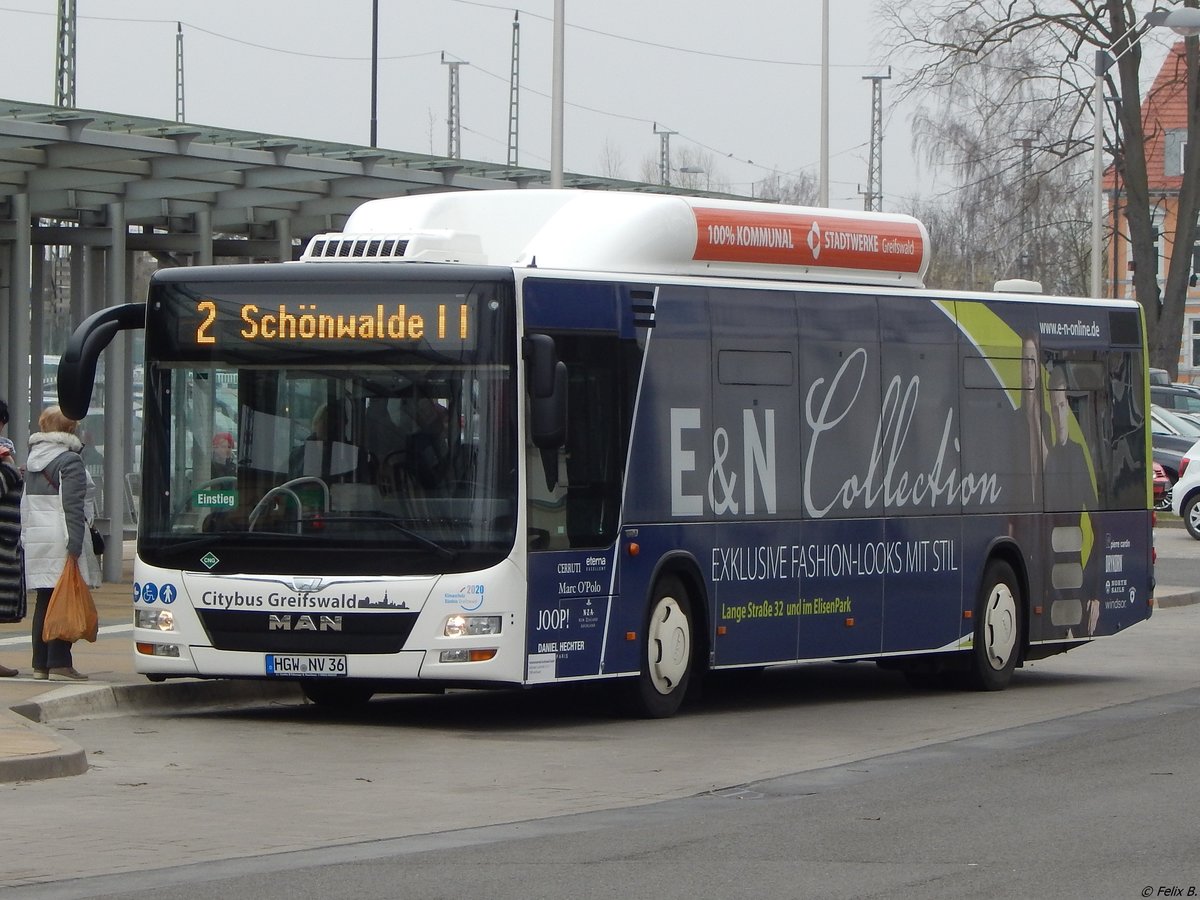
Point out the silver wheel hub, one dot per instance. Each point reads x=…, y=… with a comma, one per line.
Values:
x=1000, y=626
x=668, y=645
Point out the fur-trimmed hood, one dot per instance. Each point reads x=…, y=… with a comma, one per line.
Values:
x=45, y=447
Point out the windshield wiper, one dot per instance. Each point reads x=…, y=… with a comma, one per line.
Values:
x=428, y=543
x=218, y=537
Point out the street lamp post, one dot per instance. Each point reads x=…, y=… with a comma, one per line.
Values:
x=556, y=96
x=1102, y=63
x=374, y=72
x=1185, y=21
x=823, y=177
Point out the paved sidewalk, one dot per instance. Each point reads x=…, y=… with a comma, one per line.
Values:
x=32, y=751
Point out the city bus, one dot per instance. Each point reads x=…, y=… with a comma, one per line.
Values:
x=513, y=438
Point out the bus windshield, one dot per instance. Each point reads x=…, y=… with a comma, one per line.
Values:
x=364, y=428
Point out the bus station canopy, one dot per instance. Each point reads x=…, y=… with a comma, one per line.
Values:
x=82, y=191
x=72, y=164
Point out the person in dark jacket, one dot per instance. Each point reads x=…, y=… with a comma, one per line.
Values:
x=12, y=574
x=5, y=442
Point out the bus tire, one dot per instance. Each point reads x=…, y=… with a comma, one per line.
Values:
x=337, y=694
x=1191, y=515
x=668, y=647
x=997, y=642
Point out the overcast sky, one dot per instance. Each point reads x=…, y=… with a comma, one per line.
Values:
x=738, y=81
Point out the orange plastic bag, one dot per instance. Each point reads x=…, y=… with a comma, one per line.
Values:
x=71, y=614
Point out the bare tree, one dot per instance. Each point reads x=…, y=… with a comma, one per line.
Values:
x=1024, y=68
x=612, y=161
x=432, y=120
x=799, y=190
x=648, y=169
x=977, y=236
x=692, y=168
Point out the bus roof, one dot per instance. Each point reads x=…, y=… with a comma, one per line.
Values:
x=606, y=231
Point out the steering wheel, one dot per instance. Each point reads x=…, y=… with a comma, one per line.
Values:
x=286, y=490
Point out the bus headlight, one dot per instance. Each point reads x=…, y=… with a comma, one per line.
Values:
x=464, y=626
x=156, y=619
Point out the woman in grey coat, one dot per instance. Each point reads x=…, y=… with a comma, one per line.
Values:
x=54, y=520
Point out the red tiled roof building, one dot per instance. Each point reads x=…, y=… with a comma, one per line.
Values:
x=1164, y=121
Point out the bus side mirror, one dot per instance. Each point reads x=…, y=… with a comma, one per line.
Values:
x=548, y=415
x=547, y=383
x=541, y=356
x=77, y=365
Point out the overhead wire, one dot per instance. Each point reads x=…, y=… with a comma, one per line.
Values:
x=507, y=8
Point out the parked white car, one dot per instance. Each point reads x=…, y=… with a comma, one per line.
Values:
x=1185, y=496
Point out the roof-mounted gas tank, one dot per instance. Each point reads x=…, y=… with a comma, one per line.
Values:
x=656, y=234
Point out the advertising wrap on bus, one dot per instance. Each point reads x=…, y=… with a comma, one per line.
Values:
x=637, y=438
x=842, y=467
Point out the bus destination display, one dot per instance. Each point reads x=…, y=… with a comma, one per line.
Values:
x=435, y=321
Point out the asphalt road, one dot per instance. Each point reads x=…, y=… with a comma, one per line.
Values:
x=821, y=780
x=1093, y=806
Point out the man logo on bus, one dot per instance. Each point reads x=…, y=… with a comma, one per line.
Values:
x=814, y=239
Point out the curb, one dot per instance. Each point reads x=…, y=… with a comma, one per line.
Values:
x=51, y=755
x=111, y=699
x=1182, y=598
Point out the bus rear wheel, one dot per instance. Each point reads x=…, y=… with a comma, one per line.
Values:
x=667, y=650
x=330, y=694
x=997, y=644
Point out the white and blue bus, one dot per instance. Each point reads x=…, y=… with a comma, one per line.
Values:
x=513, y=438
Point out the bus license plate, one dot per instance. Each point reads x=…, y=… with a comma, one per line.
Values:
x=309, y=666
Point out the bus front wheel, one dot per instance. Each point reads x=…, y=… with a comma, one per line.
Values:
x=997, y=642
x=667, y=649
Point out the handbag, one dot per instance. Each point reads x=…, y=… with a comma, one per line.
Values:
x=97, y=540
x=71, y=613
